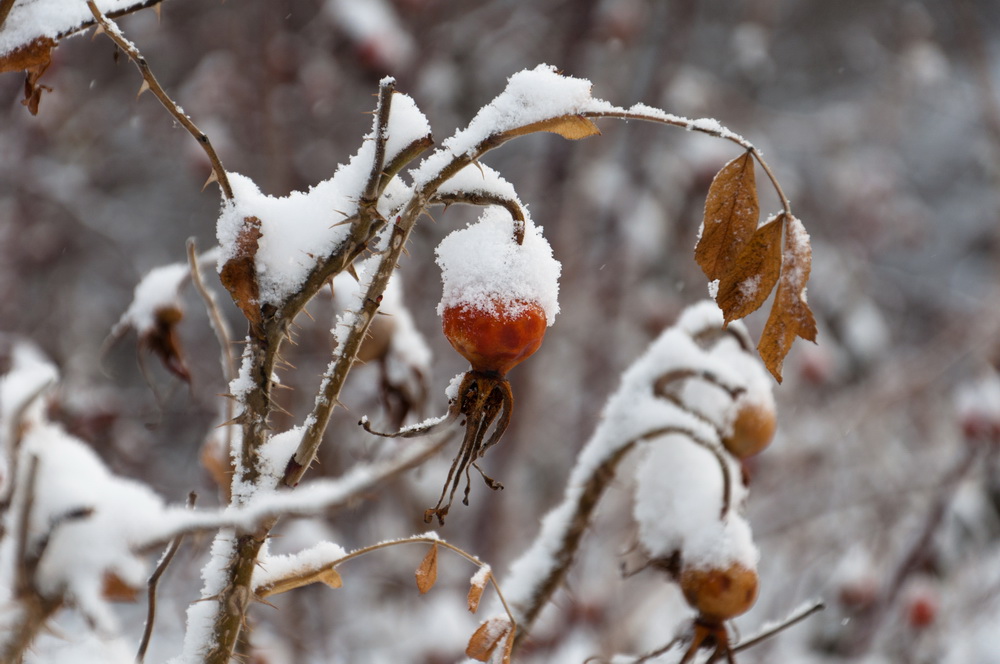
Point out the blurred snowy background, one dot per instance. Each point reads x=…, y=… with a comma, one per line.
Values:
x=882, y=121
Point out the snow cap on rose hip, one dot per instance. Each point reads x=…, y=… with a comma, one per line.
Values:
x=482, y=264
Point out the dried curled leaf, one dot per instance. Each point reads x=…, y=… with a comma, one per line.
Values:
x=239, y=274
x=572, y=127
x=476, y=588
x=488, y=636
x=427, y=572
x=162, y=340
x=115, y=589
x=33, y=54
x=731, y=216
x=753, y=275
x=790, y=314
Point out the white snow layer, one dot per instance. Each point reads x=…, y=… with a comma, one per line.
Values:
x=302, y=228
x=482, y=265
x=531, y=96
x=31, y=19
x=77, y=502
x=156, y=291
x=691, y=517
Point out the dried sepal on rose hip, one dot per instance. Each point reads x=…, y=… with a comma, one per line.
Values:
x=500, y=294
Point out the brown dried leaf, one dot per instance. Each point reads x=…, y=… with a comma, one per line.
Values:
x=731, y=216
x=162, y=340
x=476, y=589
x=487, y=637
x=239, y=274
x=572, y=127
x=428, y=571
x=33, y=54
x=508, y=648
x=747, y=285
x=33, y=89
x=790, y=314
x=114, y=589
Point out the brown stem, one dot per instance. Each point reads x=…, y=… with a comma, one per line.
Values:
x=112, y=30
x=153, y=583
x=790, y=621
x=219, y=325
x=694, y=125
x=481, y=199
x=334, y=380
x=315, y=573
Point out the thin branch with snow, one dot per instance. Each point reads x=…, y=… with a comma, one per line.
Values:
x=150, y=83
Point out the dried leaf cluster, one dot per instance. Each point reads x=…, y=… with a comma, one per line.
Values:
x=747, y=261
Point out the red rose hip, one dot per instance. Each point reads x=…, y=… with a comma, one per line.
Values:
x=498, y=339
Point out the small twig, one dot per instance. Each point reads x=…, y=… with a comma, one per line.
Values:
x=222, y=333
x=663, y=383
x=16, y=436
x=219, y=324
x=790, y=621
x=112, y=30
x=482, y=199
x=152, y=583
x=712, y=129
x=315, y=573
x=25, y=572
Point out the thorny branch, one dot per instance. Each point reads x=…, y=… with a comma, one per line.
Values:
x=112, y=30
x=399, y=234
x=333, y=381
